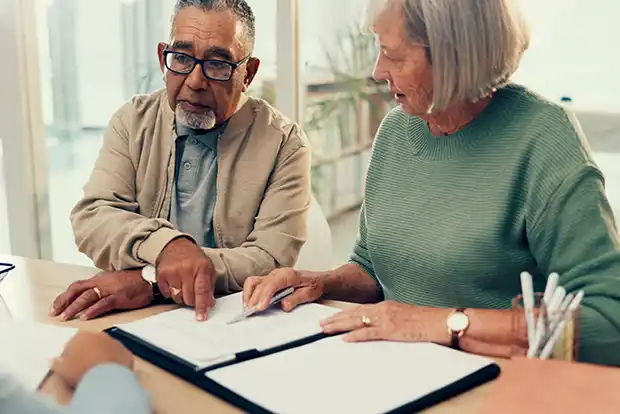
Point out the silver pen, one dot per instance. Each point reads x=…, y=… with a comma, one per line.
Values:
x=275, y=299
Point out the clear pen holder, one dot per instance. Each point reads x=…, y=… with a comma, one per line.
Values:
x=566, y=346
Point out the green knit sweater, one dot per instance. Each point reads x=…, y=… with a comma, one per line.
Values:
x=452, y=221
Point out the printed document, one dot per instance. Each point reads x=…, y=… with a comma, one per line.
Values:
x=213, y=341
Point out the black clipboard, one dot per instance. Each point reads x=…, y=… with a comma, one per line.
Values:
x=5, y=268
x=191, y=373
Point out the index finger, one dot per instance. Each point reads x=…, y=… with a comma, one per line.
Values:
x=203, y=289
x=188, y=290
x=268, y=287
x=63, y=300
x=346, y=314
x=248, y=288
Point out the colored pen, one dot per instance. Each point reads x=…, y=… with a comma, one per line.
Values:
x=545, y=328
x=548, y=348
x=552, y=284
x=275, y=299
x=528, y=304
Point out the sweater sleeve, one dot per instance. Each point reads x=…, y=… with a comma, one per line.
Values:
x=575, y=236
x=360, y=254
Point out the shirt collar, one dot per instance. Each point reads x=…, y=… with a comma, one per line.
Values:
x=208, y=138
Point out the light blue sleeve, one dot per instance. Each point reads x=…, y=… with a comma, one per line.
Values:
x=109, y=389
x=105, y=389
x=16, y=399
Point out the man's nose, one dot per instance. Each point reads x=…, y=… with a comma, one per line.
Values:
x=196, y=79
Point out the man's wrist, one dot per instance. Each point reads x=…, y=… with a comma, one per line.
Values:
x=181, y=242
x=151, y=248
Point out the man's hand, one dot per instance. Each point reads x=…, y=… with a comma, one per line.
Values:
x=119, y=290
x=258, y=290
x=87, y=350
x=187, y=276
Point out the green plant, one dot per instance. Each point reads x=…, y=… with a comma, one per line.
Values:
x=349, y=67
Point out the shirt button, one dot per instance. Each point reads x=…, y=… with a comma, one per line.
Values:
x=187, y=165
x=193, y=141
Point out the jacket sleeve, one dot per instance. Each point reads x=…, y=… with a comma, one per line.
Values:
x=575, y=236
x=106, y=221
x=280, y=226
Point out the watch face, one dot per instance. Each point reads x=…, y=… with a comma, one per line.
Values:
x=458, y=321
x=148, y=274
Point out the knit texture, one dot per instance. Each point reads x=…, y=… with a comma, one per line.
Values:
x=452, y=221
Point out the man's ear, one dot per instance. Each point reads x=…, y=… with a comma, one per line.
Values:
x=250, y=72
x=160, y=55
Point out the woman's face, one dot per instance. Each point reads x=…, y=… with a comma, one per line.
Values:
x=402, y=64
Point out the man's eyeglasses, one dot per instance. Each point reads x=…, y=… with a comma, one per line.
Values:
x=5, y=268
x=184, y=64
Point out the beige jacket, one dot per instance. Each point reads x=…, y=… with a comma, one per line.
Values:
x=262, y=201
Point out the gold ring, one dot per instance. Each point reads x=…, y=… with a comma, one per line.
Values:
x=174, y=291
x=366, y=321
x=98, y=292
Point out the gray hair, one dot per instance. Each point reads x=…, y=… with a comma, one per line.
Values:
x=474, y=46
x=240, y=8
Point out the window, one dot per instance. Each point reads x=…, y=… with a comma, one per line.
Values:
x=343, y=105
x=263, y=85
x=94, y=56
x=575, y=53
x=5, y=245
x=575, y=56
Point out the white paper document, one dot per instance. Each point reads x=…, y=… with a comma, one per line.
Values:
x=333, y=376
x=213, y=341
x=27, y=349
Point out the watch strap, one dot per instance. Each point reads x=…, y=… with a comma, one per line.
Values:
x=456, y=335
x=158, y=297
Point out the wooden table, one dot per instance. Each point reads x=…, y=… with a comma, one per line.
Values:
x=30, y=289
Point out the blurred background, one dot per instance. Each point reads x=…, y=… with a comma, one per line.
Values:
x=69, y=64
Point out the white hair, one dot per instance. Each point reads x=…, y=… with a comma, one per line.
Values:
x=474, y=46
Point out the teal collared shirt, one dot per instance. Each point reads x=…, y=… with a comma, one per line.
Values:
x=195, y=183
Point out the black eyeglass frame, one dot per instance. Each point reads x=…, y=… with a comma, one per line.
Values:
x=5, y=268
x=233, y=65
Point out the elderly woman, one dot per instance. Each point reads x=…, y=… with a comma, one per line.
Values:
x=472, y=180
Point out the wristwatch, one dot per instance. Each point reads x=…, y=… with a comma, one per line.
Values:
x=457, y=323
x=149, y=274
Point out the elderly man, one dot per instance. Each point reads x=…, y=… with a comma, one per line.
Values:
x=204, y=183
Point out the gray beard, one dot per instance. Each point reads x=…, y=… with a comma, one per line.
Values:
x=204, y=121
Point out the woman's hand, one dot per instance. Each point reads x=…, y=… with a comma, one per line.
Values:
x=258, y=290
x=87, y=350
x=390, y=321
x=114, y=290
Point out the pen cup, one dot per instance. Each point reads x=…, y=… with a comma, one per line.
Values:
x=566, y=347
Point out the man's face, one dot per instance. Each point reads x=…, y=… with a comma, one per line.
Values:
x=198, y=102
